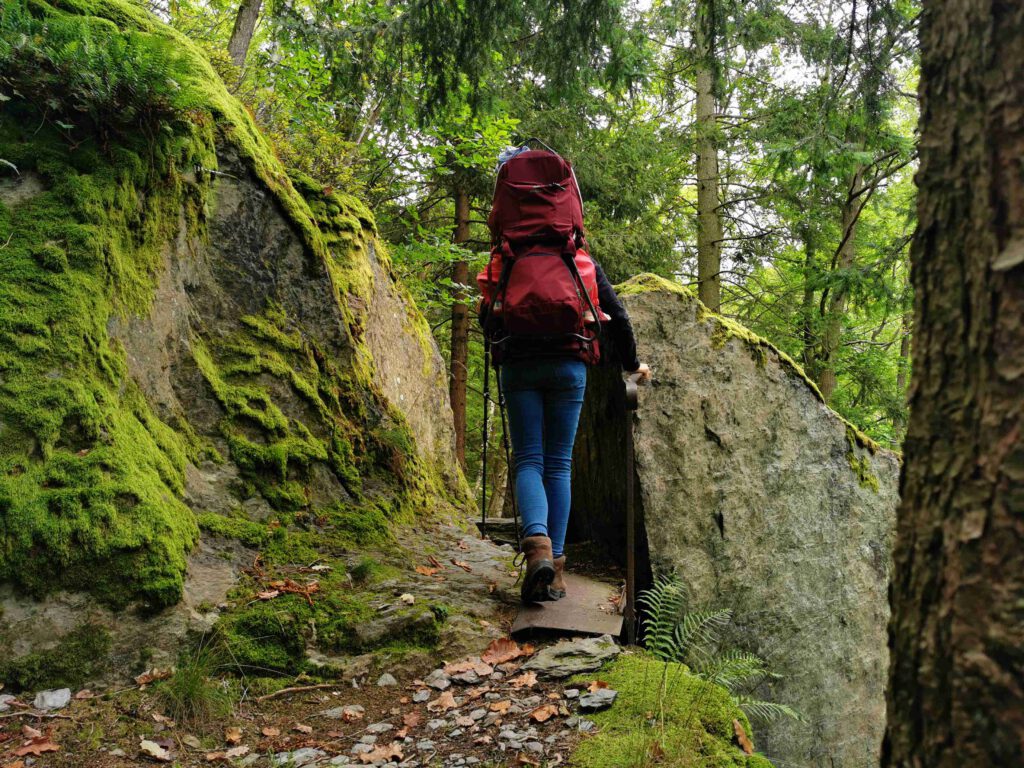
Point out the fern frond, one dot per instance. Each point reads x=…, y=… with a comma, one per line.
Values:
x=733, y=669
x=665, y=602
x=765, y=711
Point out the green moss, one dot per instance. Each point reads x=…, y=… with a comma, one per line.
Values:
x=369, y=570
x=250, y=533
x=74, y=661
x=662, y=708
x=860, y=464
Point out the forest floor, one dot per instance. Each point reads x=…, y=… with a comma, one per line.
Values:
x=468, y=703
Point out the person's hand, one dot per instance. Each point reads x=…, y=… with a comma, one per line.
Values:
x=643, y=373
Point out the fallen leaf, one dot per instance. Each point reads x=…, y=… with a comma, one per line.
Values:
x=484, y=622
x=155, y=751
x=233, y=735
x=597, y=685
x=270, y=594
x=85, y=693
x=16, y=764
x=544, y=713
x=741, y=738
x=425, y=571
x=401, y=733
x=152, y=675
x=307, y=729
x=383, y=753
x=500, y=650
x=230, y=754
x=500, y=706
x=442, y=703
x=412, y=719
x=36, y=746
x=464, y=721
x=158, y=718
x=476, y=693
x=30, y=733
x=320, y=568
x=270, y=732
x=524, y=759
x=435, y=562
x=524, y=680
x=554, y=696
x=351, y=714
x=407, y=598
x=485, y=739
x=464, y=566
x=191, y=741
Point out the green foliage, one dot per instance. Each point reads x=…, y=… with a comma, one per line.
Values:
x=674, y=634
x=193, y=695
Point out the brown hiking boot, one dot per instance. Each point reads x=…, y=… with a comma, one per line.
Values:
x=556, y=591
x=539, y=568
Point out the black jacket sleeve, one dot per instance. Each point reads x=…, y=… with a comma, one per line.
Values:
x=619, y=327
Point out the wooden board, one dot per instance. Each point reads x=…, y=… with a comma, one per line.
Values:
x=585, y=610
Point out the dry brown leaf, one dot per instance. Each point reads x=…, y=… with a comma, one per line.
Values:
x=485, y=739
x=85, y=693
x=524, y=759
x=404, y=700
x=464, y=721
x=500, y=706
x=233, y=735
x=442, y=703
x=412, y=719
x=351, y=714
x=30, y=733
x=307, y=729
x=191, y=741
x=464, y=566
x=459, y=667
x=435, y=562
x=36, y=746
x=741, y=738
x=16, y=764
x=229, y=754
x=476, y=693
x=270, y=594
x=500, y=650
x=270, y=732
x=392, y=751
x=524, y=680
x=544, y=712
x=401, y=733
x=596, y=685
x=425, y=571
x=554, y=696
x=155, y=751
x=152, y=675
x=158, y=718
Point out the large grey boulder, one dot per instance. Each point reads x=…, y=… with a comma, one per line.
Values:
x=763, y=501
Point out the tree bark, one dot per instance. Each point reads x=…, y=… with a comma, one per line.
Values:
x=460, y=331
x=709, y=220
x=245, y=27
x=836, y=307
x=956, y=686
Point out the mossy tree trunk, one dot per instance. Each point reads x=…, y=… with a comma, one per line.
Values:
x=709, y=221
x=245, y=26
x=956, y=687
x=460, y=330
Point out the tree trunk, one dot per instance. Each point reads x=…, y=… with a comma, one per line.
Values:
x=956, y=686
x=709, y=221
x=245, y=26
x=808, y=337
x=833, y=328
x=460, y=331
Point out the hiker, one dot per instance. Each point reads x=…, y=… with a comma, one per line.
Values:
x=545, y=302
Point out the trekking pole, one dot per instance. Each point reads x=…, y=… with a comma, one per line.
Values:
x=510, y=474
x=631, y=402
x=483, y=459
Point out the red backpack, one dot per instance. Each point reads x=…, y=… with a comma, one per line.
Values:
x=540, y=286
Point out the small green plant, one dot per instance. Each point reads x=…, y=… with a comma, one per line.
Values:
x=193, y=695
x=673, y=634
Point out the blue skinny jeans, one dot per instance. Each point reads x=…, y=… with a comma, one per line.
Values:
x=544, y=398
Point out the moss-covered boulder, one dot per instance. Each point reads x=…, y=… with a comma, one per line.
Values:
x=190, y=365
x=664, y=715
x=763, y=501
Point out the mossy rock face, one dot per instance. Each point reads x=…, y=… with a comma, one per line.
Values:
x=765, y=502
x=183, y=329
x=664, y=715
